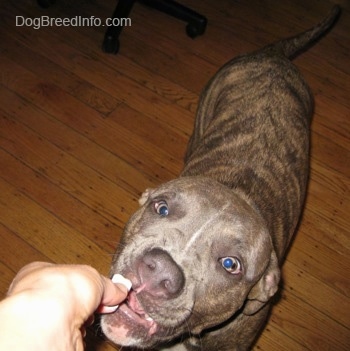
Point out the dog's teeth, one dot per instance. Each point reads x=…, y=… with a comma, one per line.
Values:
x=148, y=318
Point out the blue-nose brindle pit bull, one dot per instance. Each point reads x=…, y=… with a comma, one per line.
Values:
x=204, y=251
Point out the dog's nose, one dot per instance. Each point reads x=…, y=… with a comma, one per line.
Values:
x=161, y=274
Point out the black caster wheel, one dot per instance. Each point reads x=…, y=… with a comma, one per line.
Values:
x=46, y=3
x=193, y=30
x=110, y=45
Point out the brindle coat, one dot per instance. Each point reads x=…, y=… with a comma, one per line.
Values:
x=238, y=200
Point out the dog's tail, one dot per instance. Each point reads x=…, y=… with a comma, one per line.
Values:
x=293, y=46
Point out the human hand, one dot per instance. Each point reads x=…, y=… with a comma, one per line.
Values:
x=47, y=306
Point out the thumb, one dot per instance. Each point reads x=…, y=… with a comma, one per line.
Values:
x=115, y=292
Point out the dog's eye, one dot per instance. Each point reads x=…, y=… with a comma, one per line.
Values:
x=161, y=208
x=231, y=264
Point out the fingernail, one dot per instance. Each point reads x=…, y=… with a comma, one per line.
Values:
x=119, y=279
x=108, y=309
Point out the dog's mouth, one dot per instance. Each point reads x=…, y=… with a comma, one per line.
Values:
x=134, y=311
x=130, y=324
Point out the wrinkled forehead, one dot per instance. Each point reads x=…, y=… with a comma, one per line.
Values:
x=208, y=203
x=207, y=194
x=218, y=217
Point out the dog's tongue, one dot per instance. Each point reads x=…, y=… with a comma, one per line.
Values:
x=134, y=304
x=142, y=318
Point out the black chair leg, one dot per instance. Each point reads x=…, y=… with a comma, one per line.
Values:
x=111, y=40
x=45, y=3
x=196, y=23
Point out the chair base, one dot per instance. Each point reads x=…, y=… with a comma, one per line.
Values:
x=196, y=23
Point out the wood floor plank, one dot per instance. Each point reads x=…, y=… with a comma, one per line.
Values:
x=172, y=142
x=87, y=121
x=92, y=188
x=309, y=254
x=39, y=188
x=85, y=39
x=325, y=147
x=325, y=231
x=323, y=296
x=108, y=79
x=321, y=188
x=6, y=276
x=47, y=234
x=76, y=144
x=17, y=251
x=276, y=340
x=41, y=66
x=309, y=327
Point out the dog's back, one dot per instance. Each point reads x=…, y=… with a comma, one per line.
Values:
x=252, y=131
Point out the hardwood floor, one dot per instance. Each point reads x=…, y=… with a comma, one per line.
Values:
x=83, y=133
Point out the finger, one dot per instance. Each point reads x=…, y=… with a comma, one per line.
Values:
x=113, y=293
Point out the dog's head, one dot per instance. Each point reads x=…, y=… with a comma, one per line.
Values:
x=196, y=253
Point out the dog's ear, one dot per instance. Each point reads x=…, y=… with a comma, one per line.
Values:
x=144, y=197
x=264, y=289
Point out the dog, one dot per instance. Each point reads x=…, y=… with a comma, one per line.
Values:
x=204, y=251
